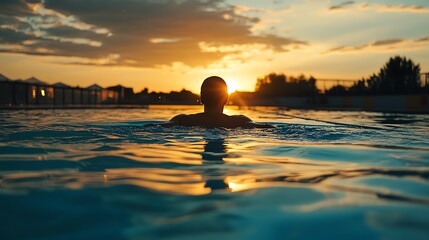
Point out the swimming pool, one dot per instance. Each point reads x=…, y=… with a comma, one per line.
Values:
x=79, y=174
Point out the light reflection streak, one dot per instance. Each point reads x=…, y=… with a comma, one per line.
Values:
x=159, y=179
x=165, y=180
x=157, y=174
x=171, y=153
x=209, y=160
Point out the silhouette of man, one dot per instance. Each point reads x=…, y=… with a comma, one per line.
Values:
x=214, y=96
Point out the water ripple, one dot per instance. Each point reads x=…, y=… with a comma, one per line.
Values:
x=108, y=176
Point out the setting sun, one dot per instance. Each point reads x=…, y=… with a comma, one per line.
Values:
x=232, y=86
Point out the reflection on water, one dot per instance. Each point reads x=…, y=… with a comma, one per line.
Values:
x=109, y=177
x=214, y=152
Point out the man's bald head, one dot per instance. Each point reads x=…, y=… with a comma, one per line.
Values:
x=214, y=92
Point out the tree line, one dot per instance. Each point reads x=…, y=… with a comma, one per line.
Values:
x=278, y=85
x=399, y=75
x=174, y=97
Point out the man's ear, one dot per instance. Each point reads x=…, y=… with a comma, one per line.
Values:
x=225, y=99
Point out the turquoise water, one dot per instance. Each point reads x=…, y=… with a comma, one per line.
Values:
x=80, y=174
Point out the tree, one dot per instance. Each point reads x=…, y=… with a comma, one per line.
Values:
x=184, y=96
x=279, y=85
x=337, y=90
x=145, y=91
x=358, y=88
x=398, y=75
x=271, y=85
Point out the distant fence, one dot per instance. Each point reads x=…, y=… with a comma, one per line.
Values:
x=325, y=84
x=15, y=93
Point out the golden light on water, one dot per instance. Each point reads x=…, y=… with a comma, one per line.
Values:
x=158, y=179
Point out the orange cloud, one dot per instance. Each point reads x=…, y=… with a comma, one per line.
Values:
x=383, y=45
x=142, y=33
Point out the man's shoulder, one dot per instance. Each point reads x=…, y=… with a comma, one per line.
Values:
x=245, y=122
x=204, y=120
x=181, y=118
x=242, y=118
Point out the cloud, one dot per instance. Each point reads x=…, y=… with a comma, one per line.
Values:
x=379, y=7
x=399, y=8
x=109, y=60
x=341, y=5
x=424, y=39
x=164, y=40
x=383, y=45
x=387, y=42
x=142, y=33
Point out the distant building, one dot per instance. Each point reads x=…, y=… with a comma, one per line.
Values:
x=95, y=87
x=34, y=80
x=63, y=94
x=125, y=95
x=20, y=92
x=34, y=91
x=143, y=97
x=60, y=85
x=39, y=92
x=3, y=78
x=6, y=90
x=95, y=94
x=105, y=96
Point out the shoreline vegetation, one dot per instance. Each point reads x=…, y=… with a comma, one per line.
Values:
x=397, y=87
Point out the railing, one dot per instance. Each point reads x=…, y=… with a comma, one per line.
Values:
x=325, y=84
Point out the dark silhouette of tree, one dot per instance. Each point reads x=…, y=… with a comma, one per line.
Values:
x=398, y=76
x=183, y=96
x=301, y=86
x=279, y=85
x=359, y=88
x=174, y=97
x=372, y=82
x=271, y=85
x=337, y=90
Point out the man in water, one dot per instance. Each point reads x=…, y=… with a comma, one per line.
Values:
x=214, y=96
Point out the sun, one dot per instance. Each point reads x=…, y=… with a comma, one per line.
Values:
x=232, y=86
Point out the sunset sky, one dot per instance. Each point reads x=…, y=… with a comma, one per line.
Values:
x=173, y=44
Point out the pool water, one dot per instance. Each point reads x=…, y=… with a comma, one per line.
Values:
x=81, y=174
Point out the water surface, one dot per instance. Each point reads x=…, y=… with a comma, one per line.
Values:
x=78, y=174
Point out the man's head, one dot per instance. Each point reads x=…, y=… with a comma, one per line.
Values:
x=214, y=92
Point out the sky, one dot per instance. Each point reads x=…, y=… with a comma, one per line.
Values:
x=169, y=45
